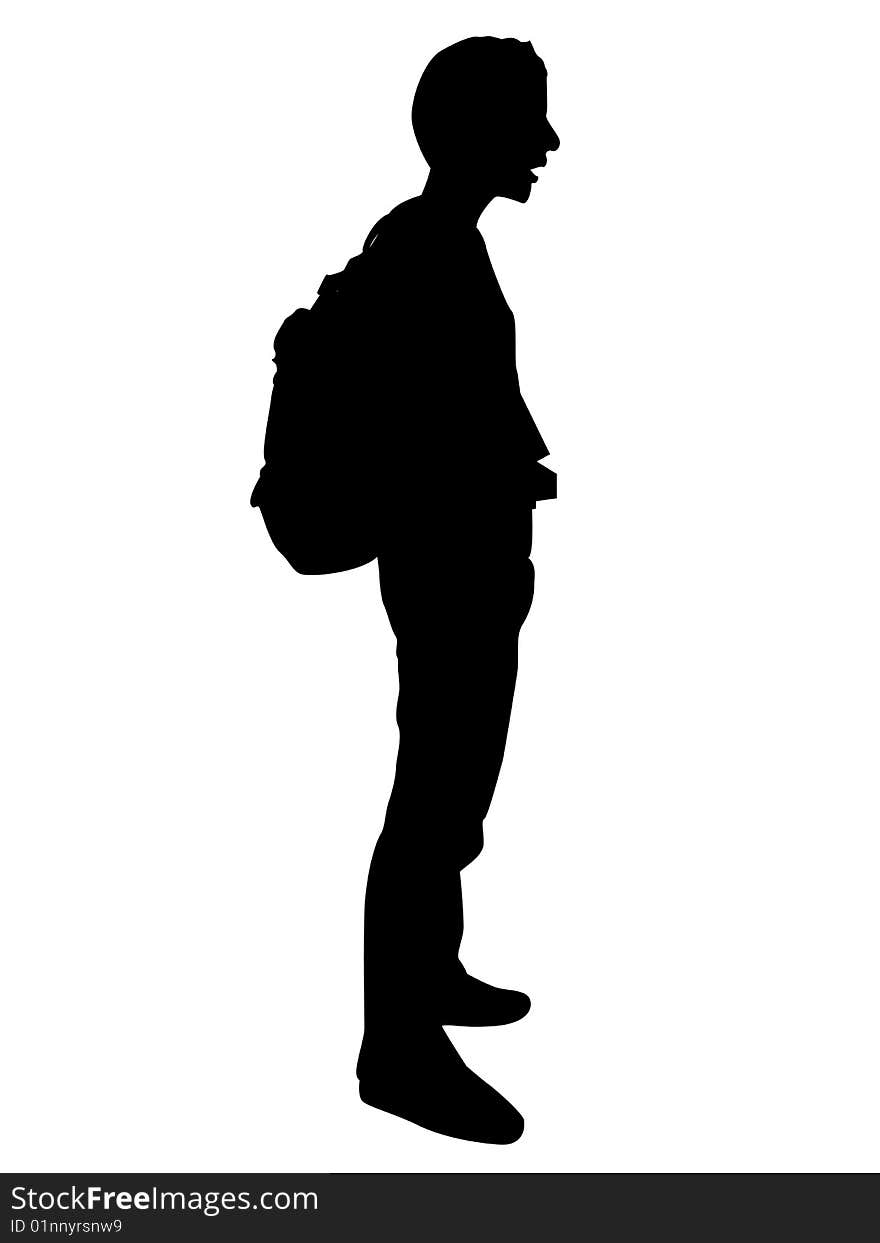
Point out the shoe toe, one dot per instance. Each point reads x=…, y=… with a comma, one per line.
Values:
x=503, y=1124
x=483, y=1005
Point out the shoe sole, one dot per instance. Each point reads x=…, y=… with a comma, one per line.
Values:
x=400, y=1109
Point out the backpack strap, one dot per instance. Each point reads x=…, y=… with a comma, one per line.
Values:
x=391, y=220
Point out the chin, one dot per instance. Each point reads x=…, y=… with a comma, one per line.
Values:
x=520, y=191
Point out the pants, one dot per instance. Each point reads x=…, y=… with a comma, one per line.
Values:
x=456, y=599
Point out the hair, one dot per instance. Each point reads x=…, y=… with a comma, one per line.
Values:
x=465, y=88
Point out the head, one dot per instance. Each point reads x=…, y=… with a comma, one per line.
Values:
x=480, y=115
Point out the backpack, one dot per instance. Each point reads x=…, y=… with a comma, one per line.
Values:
x=319, y=487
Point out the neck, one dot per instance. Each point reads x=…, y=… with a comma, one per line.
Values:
x=459, y=201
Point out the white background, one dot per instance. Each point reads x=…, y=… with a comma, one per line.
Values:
x=682, y=857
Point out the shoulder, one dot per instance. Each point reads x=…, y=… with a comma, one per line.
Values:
x=411, y=242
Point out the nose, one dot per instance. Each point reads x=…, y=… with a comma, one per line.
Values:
x=551, y=138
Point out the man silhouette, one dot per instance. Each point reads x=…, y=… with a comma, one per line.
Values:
x=458, y=481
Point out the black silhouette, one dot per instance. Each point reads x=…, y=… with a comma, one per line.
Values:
x=397, y=429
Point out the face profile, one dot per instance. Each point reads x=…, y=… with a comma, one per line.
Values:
x=480, y=117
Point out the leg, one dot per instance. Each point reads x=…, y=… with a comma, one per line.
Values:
x=457, y=659
x=457, y=619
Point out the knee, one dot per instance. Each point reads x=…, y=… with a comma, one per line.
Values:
x=422, y=841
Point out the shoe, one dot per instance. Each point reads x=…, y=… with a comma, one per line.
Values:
x=471, y=1003
x=431, y=1086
